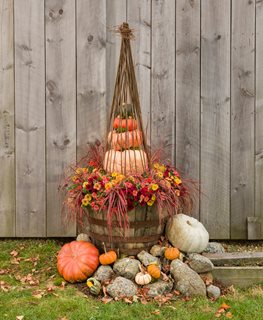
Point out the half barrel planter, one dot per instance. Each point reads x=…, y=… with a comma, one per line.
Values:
x=145, y=229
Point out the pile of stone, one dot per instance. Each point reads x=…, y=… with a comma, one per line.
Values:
x=189, y=275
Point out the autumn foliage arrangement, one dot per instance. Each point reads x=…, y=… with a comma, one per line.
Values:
x=89, y=187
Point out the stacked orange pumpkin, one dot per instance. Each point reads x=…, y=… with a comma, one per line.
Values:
x=125, y=140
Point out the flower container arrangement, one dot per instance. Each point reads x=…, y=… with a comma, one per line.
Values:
x=123, y=190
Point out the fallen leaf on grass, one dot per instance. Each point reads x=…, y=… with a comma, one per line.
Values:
x=30, y=280
x=4, y=271
x=14, y=253
x=106, y=299
x=127, y=300
x=4, y=286
x=38, y=294
x=16, y=260
x=19, y=317
x=225, y=306
x=229, y=315
x=157, y=311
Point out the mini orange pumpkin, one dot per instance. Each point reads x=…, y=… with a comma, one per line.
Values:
x=77, y=261
x=154, y=271
x=125, y=140
x=108, y=258
x=172, y=253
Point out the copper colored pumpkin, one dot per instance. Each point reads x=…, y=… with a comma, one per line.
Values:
x=172, y=253
x=77, y=261
x=108, y=258
x=126, y=162
x=154, y=271
x=125, y=140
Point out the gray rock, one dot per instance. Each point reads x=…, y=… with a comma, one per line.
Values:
x=104, y=273
x=122, y=287
x=159, y=288
x=157, y=250
x=187, y=281
x=214, y=247
x=213, y=292
x=199, y=263
x=146, y=258
x=126, y=267
x=83, y=237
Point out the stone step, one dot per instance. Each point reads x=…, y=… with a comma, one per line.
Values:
x=239, y=276
x=236, y=258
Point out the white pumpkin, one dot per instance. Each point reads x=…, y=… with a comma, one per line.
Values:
x=143, y=278
x=186, y=233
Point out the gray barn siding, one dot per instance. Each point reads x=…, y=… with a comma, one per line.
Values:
x=199, y=70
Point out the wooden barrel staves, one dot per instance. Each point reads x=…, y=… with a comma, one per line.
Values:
x=144, y=231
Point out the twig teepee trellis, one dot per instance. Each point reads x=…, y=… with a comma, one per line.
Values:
x=126, y=150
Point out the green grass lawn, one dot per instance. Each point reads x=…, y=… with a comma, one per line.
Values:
x=30, y=288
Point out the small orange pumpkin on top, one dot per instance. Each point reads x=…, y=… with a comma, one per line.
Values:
x=171, y=253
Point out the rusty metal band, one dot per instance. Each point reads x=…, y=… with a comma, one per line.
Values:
x=134, y=239
x=144, y=224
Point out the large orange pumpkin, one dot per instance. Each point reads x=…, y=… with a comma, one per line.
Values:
x=128, y=161
x=77, y=261
x=125, y=140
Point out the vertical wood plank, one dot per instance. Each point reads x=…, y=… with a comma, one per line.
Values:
x=163, y=77
x=30, y=118
x=259, y=110
x=91, y=73
x=60, y=107
x=115, y=15
x=7, y=160
x=242, y=116
x=215, y=117
x=139, y=18
x=188, y=90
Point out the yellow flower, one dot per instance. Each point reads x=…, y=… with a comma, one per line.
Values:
x=120, y=177
x=150, y=203
x=97, y=186
x=155, y=187
x=159, y=174
x=177, y=180
x=108, y=185
x=88, y=197
x=85, y=202
x=114, y=174
x=89, y=284
x=85, y=184
x=78, y=170
x=156, y=165
x=84, y=170
x=153, y=197
x=162, y=168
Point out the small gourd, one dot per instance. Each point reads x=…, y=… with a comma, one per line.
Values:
x=107, y=257
x=94, y=286
x=142, y=278
x=172, y=253
x=154, y=271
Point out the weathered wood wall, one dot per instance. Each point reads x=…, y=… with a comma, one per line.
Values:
x=200, y=74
